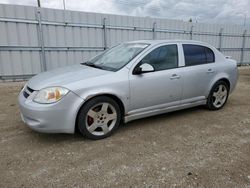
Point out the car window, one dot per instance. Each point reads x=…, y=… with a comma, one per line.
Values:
x=162, y=58
x=210, y=55
x=117, y=57
x=197, y=55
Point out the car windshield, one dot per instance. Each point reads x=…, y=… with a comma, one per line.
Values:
x=117, y=57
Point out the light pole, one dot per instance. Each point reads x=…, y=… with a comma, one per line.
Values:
x=245, y=19
x=38, y=3
x=64, y=5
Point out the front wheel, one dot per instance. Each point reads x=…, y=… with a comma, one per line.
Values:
x=218, y=96
x=99, y=117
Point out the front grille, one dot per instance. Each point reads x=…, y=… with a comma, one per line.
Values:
x=29, y=89
x=27, y=92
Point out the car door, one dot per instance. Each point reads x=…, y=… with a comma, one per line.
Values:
x=198, y=72
x=160, y=88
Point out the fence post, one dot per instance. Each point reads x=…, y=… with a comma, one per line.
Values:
x=191, y=32
x=41, y=41
x=104, y=33
x=243, y=47
x=220, y=38
x=153, y=30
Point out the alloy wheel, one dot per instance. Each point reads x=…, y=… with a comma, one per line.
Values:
x=219, y=96
x=101, y=119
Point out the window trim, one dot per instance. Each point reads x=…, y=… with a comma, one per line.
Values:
x=205, y=47
x=156, y=47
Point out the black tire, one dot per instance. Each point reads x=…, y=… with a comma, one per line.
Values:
x=210, y=100
x=82, y=115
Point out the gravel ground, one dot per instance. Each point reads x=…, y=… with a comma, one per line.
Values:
x=188, y=148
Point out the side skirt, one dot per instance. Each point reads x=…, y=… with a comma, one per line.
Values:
x=162, y=110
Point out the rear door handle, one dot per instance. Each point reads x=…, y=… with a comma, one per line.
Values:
x=174, y=76
x=210, y=71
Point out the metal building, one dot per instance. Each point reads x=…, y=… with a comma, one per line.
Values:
x=34, y=39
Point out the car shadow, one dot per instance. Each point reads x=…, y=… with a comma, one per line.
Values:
x=57, y=137
x=152, y=119
x=77, y=137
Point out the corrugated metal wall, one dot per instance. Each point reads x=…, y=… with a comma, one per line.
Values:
x=33, y=40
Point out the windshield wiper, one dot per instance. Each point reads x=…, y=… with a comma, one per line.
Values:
x=92, y=65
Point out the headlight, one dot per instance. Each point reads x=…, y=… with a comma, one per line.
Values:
x=50, y=95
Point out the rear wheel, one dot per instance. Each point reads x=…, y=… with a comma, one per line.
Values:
x=218, y=96
x=99, y=117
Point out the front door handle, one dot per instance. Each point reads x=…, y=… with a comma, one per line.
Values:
x=210, y=71
x=174, y=76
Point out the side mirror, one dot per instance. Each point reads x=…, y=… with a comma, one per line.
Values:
x=144, y=68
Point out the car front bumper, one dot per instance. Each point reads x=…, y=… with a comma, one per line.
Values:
x=57, y=117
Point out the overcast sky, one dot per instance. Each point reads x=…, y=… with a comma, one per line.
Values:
x=212, y=11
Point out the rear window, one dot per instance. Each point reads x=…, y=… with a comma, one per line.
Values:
x=197, y=55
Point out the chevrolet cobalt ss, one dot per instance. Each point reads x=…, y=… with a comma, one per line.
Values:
x=127, y=82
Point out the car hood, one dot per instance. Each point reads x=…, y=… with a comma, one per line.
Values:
x=63, y=76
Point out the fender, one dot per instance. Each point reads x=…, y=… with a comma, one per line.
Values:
x=217, y=77
x=122, y=96
x=94, y=93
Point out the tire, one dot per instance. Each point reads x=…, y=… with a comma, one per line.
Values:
x=219, y=92
x=99, y=118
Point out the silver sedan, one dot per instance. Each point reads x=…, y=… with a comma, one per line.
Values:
x=127, y=82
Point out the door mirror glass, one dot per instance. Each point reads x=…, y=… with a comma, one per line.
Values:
x=144, y=68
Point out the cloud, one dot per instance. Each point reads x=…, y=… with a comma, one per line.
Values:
x=23, y=2
x=212, y=11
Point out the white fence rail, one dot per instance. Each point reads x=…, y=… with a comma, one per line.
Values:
x=33, y=40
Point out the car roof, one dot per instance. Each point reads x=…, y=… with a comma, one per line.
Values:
x=153, y=42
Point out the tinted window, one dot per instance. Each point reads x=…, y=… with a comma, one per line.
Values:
x=197, y=55
x=164, y=57
x=210, y=55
